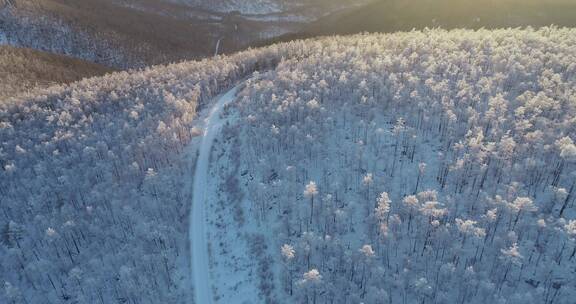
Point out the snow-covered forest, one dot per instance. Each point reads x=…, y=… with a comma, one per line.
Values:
x=93, y=204
x=420, y=167
x=426, y=167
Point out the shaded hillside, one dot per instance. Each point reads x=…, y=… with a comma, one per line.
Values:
x=131, y=33
x=312, y=8
x=106, y=32
x=136, y=33
x=24, y=69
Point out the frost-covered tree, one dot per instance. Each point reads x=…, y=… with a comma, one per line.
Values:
x=310, y=192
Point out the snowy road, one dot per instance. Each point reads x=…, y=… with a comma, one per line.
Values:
x=203, y=289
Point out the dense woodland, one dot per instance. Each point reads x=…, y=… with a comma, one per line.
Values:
x=92, y=203
x=424, y=167
x=420, y=167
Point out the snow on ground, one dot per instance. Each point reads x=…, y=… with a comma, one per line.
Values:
x=201, y=195
x=243, y=242
x=233, y=268
x=267, y=179
x=229, y=244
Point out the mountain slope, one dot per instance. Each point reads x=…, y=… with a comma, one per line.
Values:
x=429, y=167
x=264, y=7
x=135, y=33
x=106, y=32
x=98, y=230
x=418, y=167
x=398, y=15
x=23, y=69
x=243, y=6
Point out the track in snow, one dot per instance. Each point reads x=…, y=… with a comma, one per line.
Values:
x=198, y=241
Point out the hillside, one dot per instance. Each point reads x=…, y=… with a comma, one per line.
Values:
x=309, y=8
x=22, y=70
x=136, y=33
x=107, y=32
x=114, y=147
x=399, y=15
x=419, y=167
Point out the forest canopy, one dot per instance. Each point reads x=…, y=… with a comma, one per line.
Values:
x=424, y=166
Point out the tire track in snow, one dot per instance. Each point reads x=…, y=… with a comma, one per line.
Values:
x=203, y=291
